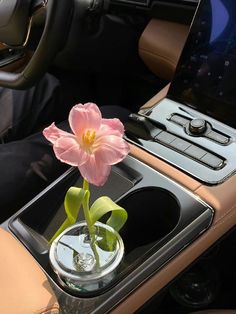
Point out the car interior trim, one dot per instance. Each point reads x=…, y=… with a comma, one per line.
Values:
x=155, y=99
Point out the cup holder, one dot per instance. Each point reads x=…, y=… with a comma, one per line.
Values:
x=153, y=213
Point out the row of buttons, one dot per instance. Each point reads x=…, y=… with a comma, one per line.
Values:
x=189, y=149
x=144, y=128
x=211, y=134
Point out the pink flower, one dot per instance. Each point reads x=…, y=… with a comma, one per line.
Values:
x=96, y=144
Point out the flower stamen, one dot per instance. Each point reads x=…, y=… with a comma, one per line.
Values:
x=88, y=138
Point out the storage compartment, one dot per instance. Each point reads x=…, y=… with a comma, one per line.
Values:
x=163, y=218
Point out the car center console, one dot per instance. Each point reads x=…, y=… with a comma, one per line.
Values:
x=195, y=143
x=165, y=217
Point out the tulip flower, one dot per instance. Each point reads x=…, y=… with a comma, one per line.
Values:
x=95, y=145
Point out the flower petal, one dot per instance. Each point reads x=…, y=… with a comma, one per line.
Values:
x=92, y=106
x=53, y=133
x=82, y=117
x=94, y=171
x=111, y=149
x=112, y=127
x=68, y=150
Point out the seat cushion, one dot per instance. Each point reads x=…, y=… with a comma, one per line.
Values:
x=24, y=288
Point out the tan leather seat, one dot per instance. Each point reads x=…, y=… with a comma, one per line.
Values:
x=215, y=312
x=24, y=288
x=160, y=46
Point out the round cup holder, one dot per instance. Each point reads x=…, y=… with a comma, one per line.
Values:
x=153, y=213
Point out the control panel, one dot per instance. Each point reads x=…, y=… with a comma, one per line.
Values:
x=191, y=141
x=200, y=127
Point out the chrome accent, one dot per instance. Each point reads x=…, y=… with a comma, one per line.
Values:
x=39, y=6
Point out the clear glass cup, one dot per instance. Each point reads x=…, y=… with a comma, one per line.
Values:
x=85, y=263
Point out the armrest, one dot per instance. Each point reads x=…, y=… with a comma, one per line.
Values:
x=24, y=288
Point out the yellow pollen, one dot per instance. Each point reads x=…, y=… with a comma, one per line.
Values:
x=88, y=137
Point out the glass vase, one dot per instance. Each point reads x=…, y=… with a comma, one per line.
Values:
x=86, y=262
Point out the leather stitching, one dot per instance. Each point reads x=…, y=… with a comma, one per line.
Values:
x=172, y=62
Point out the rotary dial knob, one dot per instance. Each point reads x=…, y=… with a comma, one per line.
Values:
x=197, y=126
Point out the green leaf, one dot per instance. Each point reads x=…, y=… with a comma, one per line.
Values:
x=65, y=225
x=104, y=205
x=72, y=203
x=117, y=219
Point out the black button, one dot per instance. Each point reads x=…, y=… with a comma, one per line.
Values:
x=212, y=161
x=217, y=137
x=165, y=137
x=180, y=144
x=195, y=152
x=179, y=119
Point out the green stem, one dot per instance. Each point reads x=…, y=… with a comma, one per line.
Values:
x=89, y=223
x=86, y=208
x=85, y=185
